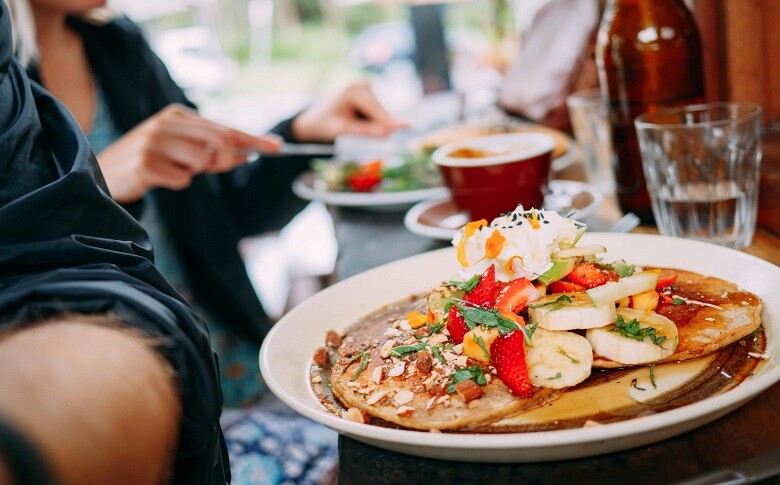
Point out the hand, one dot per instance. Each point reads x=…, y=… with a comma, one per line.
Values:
x=170, y=148
x=354, y=111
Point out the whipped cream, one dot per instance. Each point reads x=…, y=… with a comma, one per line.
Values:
x=518, y=243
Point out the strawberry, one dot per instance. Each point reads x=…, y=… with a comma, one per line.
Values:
x=484, y=294
x=589, y=275
x=515, y=296
x=665, y=280
x=508, y=355
x=456, y=325
x=562, y=286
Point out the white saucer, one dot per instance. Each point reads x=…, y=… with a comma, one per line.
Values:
x=440, y=219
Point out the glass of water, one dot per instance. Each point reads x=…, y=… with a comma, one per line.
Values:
x=702, y=164
x=589, y=121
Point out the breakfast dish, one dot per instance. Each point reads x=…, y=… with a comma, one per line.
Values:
x=530, y=314
x=685, y=396
x=441, y=219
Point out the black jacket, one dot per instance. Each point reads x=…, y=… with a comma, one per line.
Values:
x=207, y=219
x=66, y=246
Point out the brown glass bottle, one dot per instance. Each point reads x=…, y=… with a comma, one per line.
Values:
x=649, y=56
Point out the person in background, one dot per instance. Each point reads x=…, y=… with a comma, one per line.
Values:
x=556, y=58
x=180, y=176
x=106, y=372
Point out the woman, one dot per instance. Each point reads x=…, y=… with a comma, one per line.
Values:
x=178, y=173
x=175, y=171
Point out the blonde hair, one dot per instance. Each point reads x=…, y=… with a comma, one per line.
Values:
x=23, y=27
x=23, y=31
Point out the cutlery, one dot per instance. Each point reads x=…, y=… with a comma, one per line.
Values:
x=625, y=223
x=292, y=149
x=752, y=470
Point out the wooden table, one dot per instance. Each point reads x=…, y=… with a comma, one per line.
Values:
x=368, y=239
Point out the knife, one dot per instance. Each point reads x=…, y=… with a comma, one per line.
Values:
x=752, y=470
x=292, y=149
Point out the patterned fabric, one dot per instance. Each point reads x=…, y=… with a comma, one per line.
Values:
x=272, y=444
x=268, y=443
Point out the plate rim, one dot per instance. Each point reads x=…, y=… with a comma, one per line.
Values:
x=432, y=445
x=412, y=216
x=359, y=199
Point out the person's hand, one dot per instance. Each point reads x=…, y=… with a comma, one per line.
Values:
x=354, y=111
x=170, y=148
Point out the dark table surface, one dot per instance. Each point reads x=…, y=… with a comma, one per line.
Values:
x=368, y=239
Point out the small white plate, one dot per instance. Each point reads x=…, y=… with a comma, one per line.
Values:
x=303, y=187
x=286, y=353
x=440, y=219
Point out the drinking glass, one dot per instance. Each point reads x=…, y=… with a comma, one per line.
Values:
x=701, y=164
x=588, y=115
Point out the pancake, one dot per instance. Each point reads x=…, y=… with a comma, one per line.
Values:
x=716, y=313
x=410, y=390
x=416, y=398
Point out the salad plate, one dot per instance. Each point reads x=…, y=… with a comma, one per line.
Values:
x=440, y=219
x=305, y=188
x=286, y=354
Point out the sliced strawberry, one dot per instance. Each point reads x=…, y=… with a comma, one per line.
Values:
x=484, y=294
x=515, y=296
x=508, y=355
x=665, y=280
x=456, y=325
x=562, y=286
x=589, y=275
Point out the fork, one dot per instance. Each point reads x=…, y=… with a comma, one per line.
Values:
x=625, y=223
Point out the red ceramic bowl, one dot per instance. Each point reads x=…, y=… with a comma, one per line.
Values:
x=490, y=175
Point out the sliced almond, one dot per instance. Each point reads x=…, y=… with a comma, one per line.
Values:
x=375, y=397
x=404, y=411
x=377, y=374
x=402, y=397
x=398, y=369
x=384, y=352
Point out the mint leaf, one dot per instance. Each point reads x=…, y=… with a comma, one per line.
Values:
x=436, y=351
x=554, y=305
x=482, y=316
x=467, y=285
x=481, y=342
x=572, y=359
x=632, y=330
x=363, y=363
x=473, y=373
x=406, y=349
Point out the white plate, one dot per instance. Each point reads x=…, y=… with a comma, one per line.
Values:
x=304, y=188
x=286, y=354
x=440, y=219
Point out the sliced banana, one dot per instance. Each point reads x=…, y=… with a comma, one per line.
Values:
x=558, y=359
x=626, y=350
x=578, y=314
